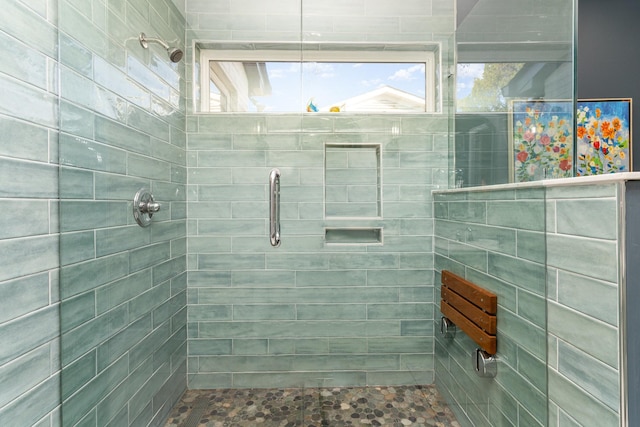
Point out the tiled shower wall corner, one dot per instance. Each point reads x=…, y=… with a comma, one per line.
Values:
x=29, y=331
x=495, y=239
x=583, y=304
x=122, y=287
x=581, y=353
x=307, y=313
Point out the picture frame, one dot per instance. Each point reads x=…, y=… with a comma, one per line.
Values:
x=603, y=136
x=540, y=139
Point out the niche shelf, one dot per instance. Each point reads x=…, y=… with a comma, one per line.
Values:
x=353, y=236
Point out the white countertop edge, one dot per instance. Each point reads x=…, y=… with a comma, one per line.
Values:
x=579, y=180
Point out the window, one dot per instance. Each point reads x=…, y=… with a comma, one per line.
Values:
x=320, y=78
x=486, y=87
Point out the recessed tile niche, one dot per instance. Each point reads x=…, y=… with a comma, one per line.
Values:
x=353, y=181
x=353, y=236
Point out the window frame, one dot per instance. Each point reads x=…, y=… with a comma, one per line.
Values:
x=433, y=88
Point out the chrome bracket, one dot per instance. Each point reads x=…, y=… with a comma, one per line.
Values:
x=447, y=328
x=142, y=38
x=144, y=206
x=484, y=364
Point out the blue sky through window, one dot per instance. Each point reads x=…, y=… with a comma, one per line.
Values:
x=466, y=75
x=329, y=83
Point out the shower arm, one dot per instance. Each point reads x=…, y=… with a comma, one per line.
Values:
x=175, y=54
x=144, y=41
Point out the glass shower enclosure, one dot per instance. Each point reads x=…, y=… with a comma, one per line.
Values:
x=199, y=298
x=347, y=297
x=511, y=122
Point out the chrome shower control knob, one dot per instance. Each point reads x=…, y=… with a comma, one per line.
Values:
x=149, y=207
x=144, y=206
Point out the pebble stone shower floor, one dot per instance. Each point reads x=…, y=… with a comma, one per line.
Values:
x=417, y=406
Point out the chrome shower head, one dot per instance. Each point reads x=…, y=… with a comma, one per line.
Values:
x=175, y=54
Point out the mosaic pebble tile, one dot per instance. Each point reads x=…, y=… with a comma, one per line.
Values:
x=417, y=406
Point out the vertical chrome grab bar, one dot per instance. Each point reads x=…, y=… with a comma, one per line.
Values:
x=274, y=207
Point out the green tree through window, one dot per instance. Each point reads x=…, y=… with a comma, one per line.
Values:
x=486, y=92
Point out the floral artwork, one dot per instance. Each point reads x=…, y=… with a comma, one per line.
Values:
x=541, y=139
x=603, y=135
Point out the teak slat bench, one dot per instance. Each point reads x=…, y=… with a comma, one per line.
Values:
x=472, y=309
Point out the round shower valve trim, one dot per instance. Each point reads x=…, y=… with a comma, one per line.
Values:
x=144, y=206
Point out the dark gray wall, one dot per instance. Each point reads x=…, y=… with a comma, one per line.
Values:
x=632, y=297
x=609, y=55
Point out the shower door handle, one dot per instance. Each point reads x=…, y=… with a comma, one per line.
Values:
x=274, y=207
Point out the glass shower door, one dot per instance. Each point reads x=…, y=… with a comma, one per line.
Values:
x=495, y=239
x=346, y=299
x=513, y=121
x=515, y=93
x=200, y=298
x=122, y=286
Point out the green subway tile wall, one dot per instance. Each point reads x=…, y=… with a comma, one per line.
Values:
x=286, y=316
x=29, y=297
x=308, y=312
x=478, y=236
x=352, y=180
x=123, y=288
x=558, y=322
x=583, y=303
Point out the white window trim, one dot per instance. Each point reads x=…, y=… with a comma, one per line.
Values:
x=406, y=56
